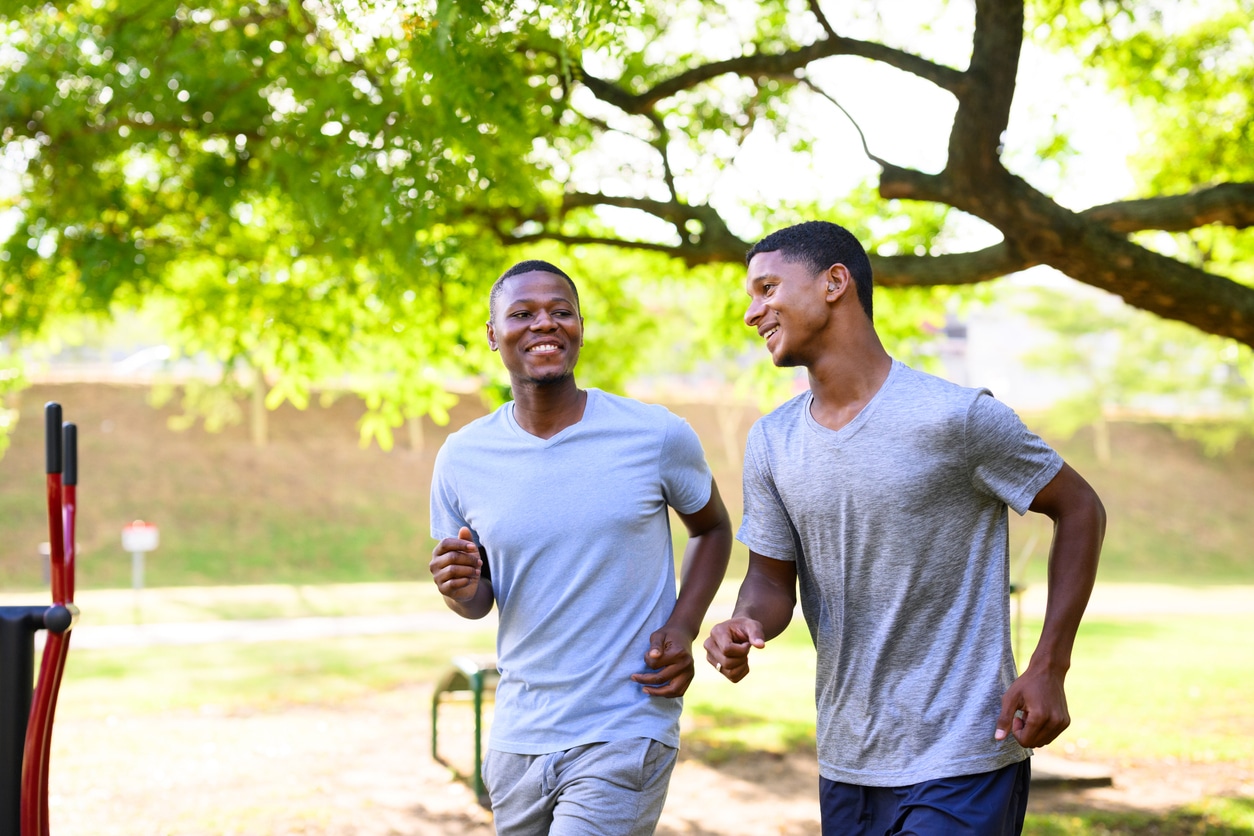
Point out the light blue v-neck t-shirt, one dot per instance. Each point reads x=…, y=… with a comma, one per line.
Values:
x=577, y=539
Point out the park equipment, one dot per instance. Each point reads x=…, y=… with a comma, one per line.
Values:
x=474, y=679
x=26, y=719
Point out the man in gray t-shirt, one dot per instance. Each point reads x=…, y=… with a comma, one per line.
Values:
x=883, y=493
x=555, y=510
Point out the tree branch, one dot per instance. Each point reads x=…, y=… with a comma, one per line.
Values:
x=822, y=18
x=1230, y=204
x=984, y=106
x=783, y=65
x=866, y=149
x=949, y=269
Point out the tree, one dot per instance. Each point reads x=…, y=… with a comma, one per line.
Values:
x=323, y=189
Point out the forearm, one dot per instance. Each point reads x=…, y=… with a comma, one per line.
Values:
x=1073, y=560
x=704, y=566
x=768, y=597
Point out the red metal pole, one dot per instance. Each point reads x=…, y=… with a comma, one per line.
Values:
x=69, y=506
x=62, y=499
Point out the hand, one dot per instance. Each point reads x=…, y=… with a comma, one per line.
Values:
x=456, y=566
x=670, y=654
x=1034, y=709
x=728, y=646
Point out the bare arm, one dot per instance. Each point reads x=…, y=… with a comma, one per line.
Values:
x=457, y=567
x=1079, y=528
x=704, y=564
x=764, y=608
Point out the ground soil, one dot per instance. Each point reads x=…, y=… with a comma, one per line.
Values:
x=364, y=768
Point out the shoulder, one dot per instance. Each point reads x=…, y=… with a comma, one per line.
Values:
x=470, y=437
x=973, y=412
x=916, y=381
x=790, y=413
x=930, y=398
x=619, y=408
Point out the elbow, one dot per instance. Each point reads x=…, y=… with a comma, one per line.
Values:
x=1095, y=516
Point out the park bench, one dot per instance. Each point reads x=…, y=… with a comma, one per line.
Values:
x=470, y=679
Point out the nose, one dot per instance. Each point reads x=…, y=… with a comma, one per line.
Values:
x=754, y=312
x=543, y=322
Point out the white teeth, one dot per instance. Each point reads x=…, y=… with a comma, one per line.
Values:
x=768, y=334
x=538, y=348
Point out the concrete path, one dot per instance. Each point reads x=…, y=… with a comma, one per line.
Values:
x=269, y=629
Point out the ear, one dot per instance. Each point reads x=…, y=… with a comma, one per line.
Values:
x=839, y=281
x=581, y=327
x=491, y=336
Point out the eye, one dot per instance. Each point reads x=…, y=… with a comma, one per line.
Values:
x=520, y=314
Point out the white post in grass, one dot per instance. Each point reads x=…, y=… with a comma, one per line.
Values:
x=138, y=538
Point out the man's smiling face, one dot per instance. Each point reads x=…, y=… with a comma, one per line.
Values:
x=786, y=306
x=537, y=328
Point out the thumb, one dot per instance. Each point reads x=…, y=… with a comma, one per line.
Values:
x=463, y=533
x=753, y=633
x=1009, y=705
x=657, y=645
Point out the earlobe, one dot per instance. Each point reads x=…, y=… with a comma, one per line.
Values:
x=491, y=337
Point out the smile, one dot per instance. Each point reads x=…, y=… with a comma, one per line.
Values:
x=544, y=348
x=768, y=334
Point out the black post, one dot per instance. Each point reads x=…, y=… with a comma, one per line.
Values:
x=18, y=626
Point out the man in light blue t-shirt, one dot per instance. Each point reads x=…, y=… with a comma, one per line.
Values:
x=555, y=509
x=883, y=493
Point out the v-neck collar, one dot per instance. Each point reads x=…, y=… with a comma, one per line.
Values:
x=537, y=441
x=849, y=430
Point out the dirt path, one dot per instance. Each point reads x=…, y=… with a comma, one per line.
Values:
x=364, y=769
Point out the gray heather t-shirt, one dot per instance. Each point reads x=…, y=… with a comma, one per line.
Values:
x=577, y=538
x=898, y=525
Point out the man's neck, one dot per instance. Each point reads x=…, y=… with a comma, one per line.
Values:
x=844, y=382
x=545, y=409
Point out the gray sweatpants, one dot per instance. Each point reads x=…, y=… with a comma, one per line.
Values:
x=602, y=789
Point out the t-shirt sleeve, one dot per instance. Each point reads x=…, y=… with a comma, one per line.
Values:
x=1005, y=458
x=685, y=474
x=446, y=514
x=765, y=527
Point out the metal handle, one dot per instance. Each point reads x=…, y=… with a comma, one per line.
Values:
x=52, y=436
x=70, y=453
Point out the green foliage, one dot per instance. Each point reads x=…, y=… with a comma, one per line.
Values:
x=12, y=379
x=1124, y=363
x=1187, y=69
x=295, y=203
x=324, y=192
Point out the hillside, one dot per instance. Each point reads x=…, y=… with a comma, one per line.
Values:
x=314, y=506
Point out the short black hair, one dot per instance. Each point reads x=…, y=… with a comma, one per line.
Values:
x=533, y=265
x=819, y=245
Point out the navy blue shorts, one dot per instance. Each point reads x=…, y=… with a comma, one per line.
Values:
x=988, y=804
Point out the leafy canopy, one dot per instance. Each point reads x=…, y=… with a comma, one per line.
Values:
x=323, y=190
